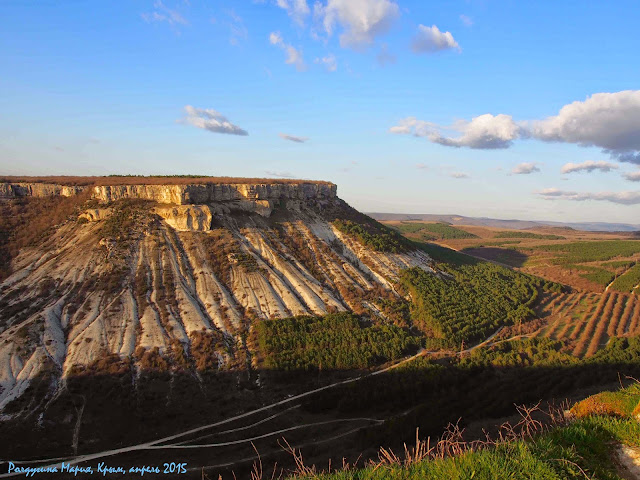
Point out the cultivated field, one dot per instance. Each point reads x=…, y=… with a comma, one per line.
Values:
x=587, y=321
x=586, y=261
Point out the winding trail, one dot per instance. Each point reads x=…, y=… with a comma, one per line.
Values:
x=156, y=444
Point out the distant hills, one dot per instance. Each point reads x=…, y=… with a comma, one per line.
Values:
x=513, y=224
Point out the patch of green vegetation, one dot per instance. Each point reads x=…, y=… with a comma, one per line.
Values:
x=471, y=301
x=435, y=231
x=497, y=244
x=595, y=274
x=580, y=252
x=521, y=234
x=338, y=341
x=580, y=448
x=619, y=264
x=627, y=281
x=373, y=235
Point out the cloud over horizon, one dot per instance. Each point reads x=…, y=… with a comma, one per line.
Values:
x=271, y=173
x=589, y=166
x=525, y=168
x=432, y=40
x=622, y=198
x=211, y=120
x=293, y=138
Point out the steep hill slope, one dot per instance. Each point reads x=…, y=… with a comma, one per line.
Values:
x=145, y=271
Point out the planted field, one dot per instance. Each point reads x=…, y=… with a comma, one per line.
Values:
x=628, y=281
x=521, y=234
x=434, y=231
x=579, y=252
x=588, y=321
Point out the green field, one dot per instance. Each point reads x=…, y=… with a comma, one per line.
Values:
x=629, y=280
x=579, y=252
x=435, y=231
x=521, y=234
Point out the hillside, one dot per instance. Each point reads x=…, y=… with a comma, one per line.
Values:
x=171, y=307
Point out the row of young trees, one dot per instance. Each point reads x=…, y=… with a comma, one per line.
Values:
x=471, y=301
x=338, y=341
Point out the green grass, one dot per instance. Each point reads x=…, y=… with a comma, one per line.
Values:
x=583, y=448
x=579, y=252
x=627, y=281
x=520, y=234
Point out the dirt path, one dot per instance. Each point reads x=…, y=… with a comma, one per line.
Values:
x=156, y=444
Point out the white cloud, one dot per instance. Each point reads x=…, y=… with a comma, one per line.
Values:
x=294, y=57
x=589, y=166
x=431, y=40
x=525, y=168
x=610, y=121
x=361, y=21
x=622, y=198
x=422, y=166
x=162, y=13
x=482, y=132
x=293, y=138
x=467, y=21
x=298, y=10
x=271, y=173
x=329, y=62
x=211, y=120
x=458, y=175
x=632, y=176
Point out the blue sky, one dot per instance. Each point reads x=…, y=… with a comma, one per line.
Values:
x=409, y=106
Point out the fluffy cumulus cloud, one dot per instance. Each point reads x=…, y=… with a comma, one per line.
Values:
x=482, y=132
x=610, y=121
x=360, y=21
x=623, y=198
x=293, y=56
x=525, y=168
x=298, y=10
x=432, y=40
x=329, y=62
x=211, y=120
x=292, y=138
x=589, y=166
x=632, y=176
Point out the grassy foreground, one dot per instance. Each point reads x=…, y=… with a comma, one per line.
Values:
x=581, y=446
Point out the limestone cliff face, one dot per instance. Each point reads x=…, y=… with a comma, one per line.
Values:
x=222, y=198
x=212, y=192
x=15, y=190
x=195, y=218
